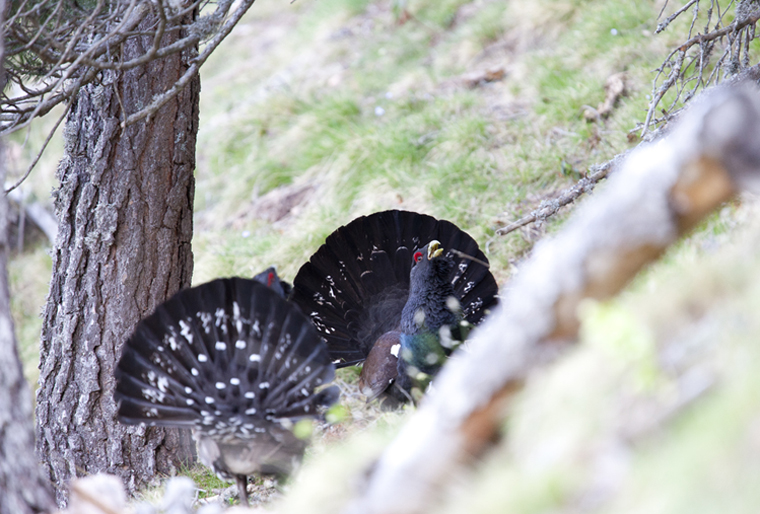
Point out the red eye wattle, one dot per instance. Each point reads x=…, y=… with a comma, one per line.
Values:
x=417, y=256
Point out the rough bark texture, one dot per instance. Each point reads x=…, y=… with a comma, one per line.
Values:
x=125, y=213
x=23, y=486
x=660, y=193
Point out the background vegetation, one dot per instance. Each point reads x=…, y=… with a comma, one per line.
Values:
x=318, y=111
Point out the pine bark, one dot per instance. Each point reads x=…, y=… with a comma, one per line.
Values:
x=24, y=489
x=124, y=245
x=23, y=486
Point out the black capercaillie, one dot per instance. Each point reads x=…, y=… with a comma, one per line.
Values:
x=356, y=289
x=236, y=363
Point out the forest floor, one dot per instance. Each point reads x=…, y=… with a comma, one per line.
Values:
x=318, y=111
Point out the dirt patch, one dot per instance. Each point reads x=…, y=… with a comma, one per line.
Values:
x=278, y=205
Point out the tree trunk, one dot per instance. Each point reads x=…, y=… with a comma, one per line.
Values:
x=23, y=487
x=125, y=224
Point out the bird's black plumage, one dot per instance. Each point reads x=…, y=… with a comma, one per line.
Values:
x=430, y=319
x=235, y=362
x=269, y=278
x=356, y=285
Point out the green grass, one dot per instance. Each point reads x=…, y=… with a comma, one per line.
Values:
x=487, y=26
x=391, y=128
x=29, y=279
x=442, y=13
x=207, y=482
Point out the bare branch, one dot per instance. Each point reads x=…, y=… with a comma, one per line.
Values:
x=735, y=27
x=549, y=208
x=55, y=47
x=663, y=25
x=210, y=47
x=689, y=71
x=42, y=150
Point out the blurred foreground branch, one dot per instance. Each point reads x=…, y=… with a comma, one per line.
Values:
x=661, y=191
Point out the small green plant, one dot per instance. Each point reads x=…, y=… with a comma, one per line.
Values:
x=207, y=482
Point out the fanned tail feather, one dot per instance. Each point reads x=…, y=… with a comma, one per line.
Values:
x=220, y=354
x=356, y=284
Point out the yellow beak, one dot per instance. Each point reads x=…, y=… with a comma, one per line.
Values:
x=434, y=249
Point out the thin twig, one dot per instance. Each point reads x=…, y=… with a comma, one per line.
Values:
x=160, y=100
x=80, y=57
x=734, y=27
x=550, y=208
x=42, y=150
x=470, y=257
x=737, y=37
x=663, y=25
x=57, y=51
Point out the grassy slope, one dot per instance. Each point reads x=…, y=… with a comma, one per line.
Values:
x=298, y=104
x=338, y=104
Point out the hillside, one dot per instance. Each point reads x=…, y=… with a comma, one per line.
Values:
x=336, y=109
x=318, y=111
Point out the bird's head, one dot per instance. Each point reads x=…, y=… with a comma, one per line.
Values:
x=430, y=251
x=269, y=278
x=429, y=288
x=430, y=264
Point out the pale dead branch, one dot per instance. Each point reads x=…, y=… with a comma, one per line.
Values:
x=614, y=88
x=661, y=191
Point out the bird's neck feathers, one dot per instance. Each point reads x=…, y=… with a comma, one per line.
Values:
x=427, y=313
x=423, y=351
x=427, y=308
